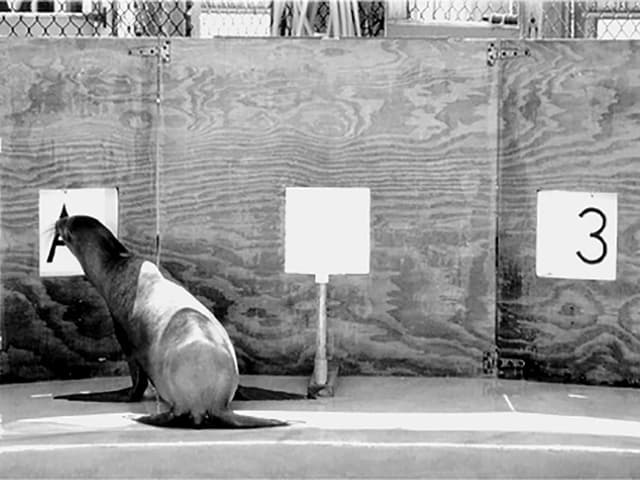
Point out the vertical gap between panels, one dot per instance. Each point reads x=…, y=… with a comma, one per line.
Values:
x=499, y=79
x=157, y=152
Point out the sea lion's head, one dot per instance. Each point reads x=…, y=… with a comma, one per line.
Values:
x=91, y=242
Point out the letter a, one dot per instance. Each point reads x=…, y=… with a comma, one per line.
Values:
x=57, y=241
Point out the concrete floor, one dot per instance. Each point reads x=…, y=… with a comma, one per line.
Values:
x=373, y=428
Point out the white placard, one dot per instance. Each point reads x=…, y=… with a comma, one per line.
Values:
x=327, y=231
x=100, y=203
x=577, y=235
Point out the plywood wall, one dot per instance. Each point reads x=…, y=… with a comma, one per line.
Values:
x=425, y=124
x=73, y=114
x=569, y=120
x=411, y=120
x=241, y=120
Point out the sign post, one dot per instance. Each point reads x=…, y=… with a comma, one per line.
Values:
x=326, y=233
x=321, y=364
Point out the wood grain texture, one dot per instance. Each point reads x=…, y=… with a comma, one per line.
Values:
x=412, y=120
x=570, y=120
x=242, y=120
x=73, y=113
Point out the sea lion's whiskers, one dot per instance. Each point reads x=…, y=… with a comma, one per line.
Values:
x=48, y=231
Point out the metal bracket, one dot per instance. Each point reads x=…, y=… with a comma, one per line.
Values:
x=511, y=368
x=495, y=53
x=163, y=51
x=489, y=363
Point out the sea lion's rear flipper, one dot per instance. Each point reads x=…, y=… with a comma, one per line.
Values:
x=133, y=393
x=244, y=393
x=168, y=420
x=227, y=419
x=230, y=419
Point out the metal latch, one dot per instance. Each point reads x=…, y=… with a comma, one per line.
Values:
x=489, y=362
x=163, y=51
x=511, y=368
x=495, y=52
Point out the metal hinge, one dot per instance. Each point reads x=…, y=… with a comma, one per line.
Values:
x=489, y=363
x=496, y=52
x=511, y=368
x=503, y=367
x=163, y=51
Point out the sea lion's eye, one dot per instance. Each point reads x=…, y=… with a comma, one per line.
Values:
x=65, y=234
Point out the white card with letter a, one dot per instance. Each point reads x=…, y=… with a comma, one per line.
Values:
x=99, y=203
x=577, y=235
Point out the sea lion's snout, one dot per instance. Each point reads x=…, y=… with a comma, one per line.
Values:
x=62, y=228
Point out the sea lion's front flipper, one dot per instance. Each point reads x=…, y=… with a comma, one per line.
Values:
x=133, y=393
x=123, y=395
x=244, y=394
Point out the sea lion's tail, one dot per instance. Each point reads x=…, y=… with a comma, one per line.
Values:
x=226, y=419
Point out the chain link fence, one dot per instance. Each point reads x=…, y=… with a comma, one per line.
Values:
x=203, y=19
x=28, y=18
x=459, y=10
x=553, y=19
x=601, y=19
x=604, y=20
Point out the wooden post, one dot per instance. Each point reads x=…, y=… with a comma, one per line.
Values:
x=333, y=24
x=356, y=18
x=195, y=14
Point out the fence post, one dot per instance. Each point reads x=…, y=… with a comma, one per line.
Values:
x=194, y=18
x=530, y=19
x=397, y=10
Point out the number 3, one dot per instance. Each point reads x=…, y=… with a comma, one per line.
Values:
x=595, y=235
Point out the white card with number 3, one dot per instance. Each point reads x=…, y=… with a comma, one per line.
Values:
x=577, y=234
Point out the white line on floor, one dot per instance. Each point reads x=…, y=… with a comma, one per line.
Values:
x=42, y=395
x=506, y=399
x=321, y=443
x=507, y=422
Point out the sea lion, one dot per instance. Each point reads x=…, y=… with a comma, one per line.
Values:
x=167, y=335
